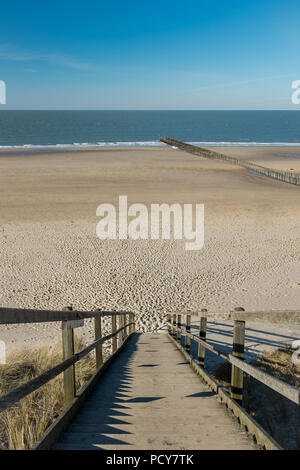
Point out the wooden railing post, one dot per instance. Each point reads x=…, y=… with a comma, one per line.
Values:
x=125, y=331
x=133, y=320
x=68, y=351
x=129, y=321
x=174, y=325
x=119, y=324
x=238, y=351
x=98, y=335
x=168, y=321
x=188, y=330
x=113, y=330
x=179, y=328
x=202, y=335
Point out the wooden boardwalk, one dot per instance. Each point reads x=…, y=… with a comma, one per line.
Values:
x=148, y=393
x=150, y=398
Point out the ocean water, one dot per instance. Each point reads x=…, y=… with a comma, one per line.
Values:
x=75, y=129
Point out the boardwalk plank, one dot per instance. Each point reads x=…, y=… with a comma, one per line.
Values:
x=153, y=400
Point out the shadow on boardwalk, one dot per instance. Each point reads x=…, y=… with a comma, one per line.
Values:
x=150, y=398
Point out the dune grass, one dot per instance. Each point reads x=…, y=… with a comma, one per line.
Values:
x=279, y=363
x=22, y=425
x=276, y=414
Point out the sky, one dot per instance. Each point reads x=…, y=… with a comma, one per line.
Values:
x=165, y=54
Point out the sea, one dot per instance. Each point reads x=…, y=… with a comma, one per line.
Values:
x=89, y=129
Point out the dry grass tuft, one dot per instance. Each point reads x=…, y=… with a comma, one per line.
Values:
x=24, y=424
x=276, y=414
x=279, y=363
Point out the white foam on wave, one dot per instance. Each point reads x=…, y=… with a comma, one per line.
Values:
x=155, y=143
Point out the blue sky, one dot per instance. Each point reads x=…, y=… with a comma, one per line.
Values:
x=149, y=54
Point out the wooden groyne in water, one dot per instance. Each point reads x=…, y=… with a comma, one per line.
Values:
x=285, y=176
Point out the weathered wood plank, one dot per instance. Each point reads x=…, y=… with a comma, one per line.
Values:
x=187, y=337
x=113, y=330
x=69, y=374
x=261, y=436
x=238, y=346
x=150, y=402
x=178, y=327
x=285, y=316
x=68, y=351
x=202, y=336
x=10, y=316
x=98, y=335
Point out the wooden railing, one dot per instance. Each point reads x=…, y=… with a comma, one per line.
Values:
x=119, y=335
x=176, y=330
x=286, y=176
x=70, y=319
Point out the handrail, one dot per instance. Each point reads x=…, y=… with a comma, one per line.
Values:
x=10, y=316
x=15, y=395
x=291, y=317
x=69, y=319
x=233, y=399
x=290, y=392
x=285, y=389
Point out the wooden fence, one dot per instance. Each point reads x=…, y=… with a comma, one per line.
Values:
x=120, y=334
x=287, y=177
x=70, y=319
x=176, y=330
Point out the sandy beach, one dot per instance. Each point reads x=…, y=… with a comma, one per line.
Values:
x=285, y=158
x=50, y=256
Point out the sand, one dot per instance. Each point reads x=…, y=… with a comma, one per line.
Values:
x=286, y=158
x=50, y=256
